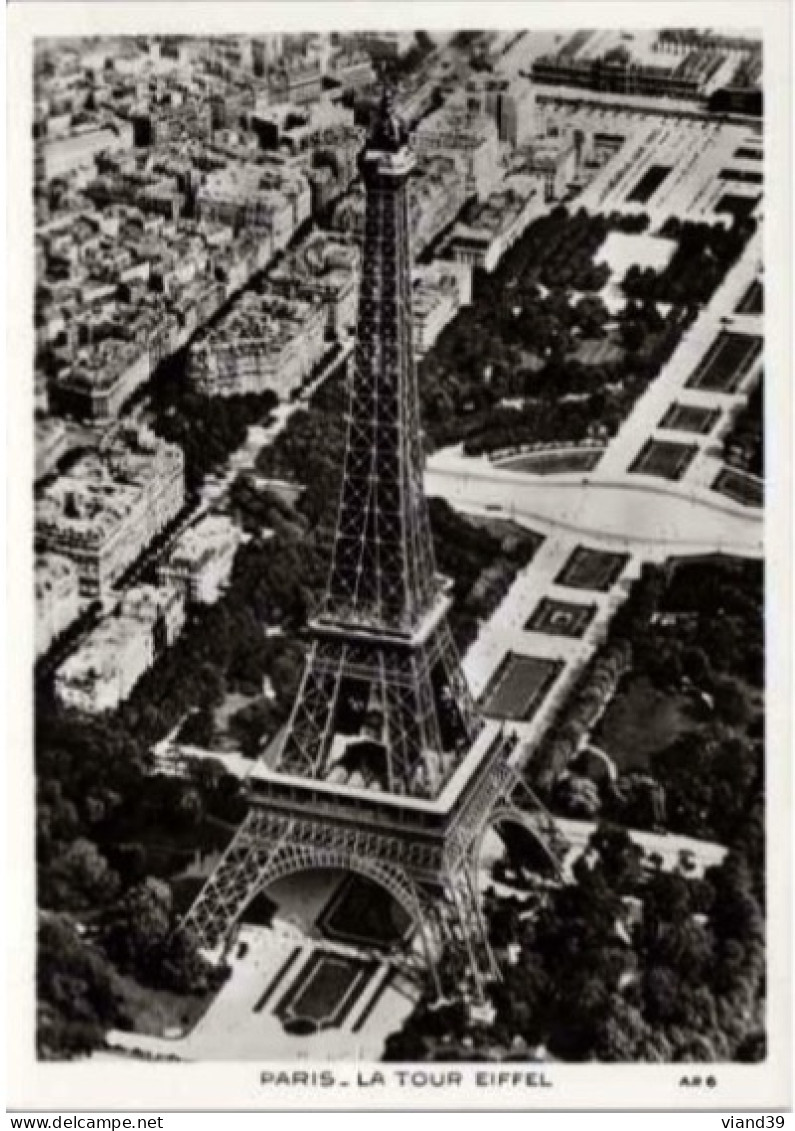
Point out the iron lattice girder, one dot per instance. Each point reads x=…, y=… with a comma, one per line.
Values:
x=473, y=818
x=383, y=561
x=268, y=848
x=400, y=677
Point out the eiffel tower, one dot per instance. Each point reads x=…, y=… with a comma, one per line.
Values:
x=385, y=767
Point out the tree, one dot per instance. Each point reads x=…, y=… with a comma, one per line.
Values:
x=211, y=682
x=206, y=773
x=199, y=728
x=137, y=927
x=583, y=1005
x=731, y=701
x=619, y=857
x=57, y=819
x=592, y=314
x=78, y=879
x=661, y=994
x=100, y=804
x=694, y=1047
x=624, y=1035
x=697, y=666
x=190, y=808
x=667, y=898
x=250, y=724
x=179, y=965
x=129, y=862
x=753, y=1048
x=521, y=998
x=76, y=995
x=577, y=796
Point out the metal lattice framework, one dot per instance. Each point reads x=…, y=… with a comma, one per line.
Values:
x=268, y=847
x=383, y=696
x=443, y=906
x=382, y=573
x=425, y=717
x=381, y=638
x=436, y=884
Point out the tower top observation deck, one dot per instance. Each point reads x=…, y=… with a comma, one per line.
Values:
x=387, y=133
x=387, y=147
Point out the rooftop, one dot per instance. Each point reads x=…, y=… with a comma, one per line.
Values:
x=147, y=602
x=104, y=486
x=265, y=319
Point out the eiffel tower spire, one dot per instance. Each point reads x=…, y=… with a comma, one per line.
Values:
x=387, y=134
x=382, y=572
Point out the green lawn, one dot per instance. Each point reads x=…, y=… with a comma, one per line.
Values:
x=555, y=462
x=519, y=686
x=640, y=721
x=329, y=985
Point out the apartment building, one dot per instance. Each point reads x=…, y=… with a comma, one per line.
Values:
x=110, y=505
x=102, y=673
x=267, y=343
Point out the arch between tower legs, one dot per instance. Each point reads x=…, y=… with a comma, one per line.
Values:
x=444, y=908
x=446, y=914
x=535, y=822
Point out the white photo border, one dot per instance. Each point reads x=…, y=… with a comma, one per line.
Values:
x=110, y=1086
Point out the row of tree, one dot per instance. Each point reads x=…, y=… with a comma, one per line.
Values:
x=703, y=255
x=208, y=429
x=482, y=563
x=743, y=444
x=577, y=719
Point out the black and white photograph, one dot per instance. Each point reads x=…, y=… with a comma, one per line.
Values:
x=404, y=433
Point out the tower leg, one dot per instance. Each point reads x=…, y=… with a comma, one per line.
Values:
x=432, y=956
x=237, y=878
x=466, y=941
x=464, y=928
x=470, y=876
